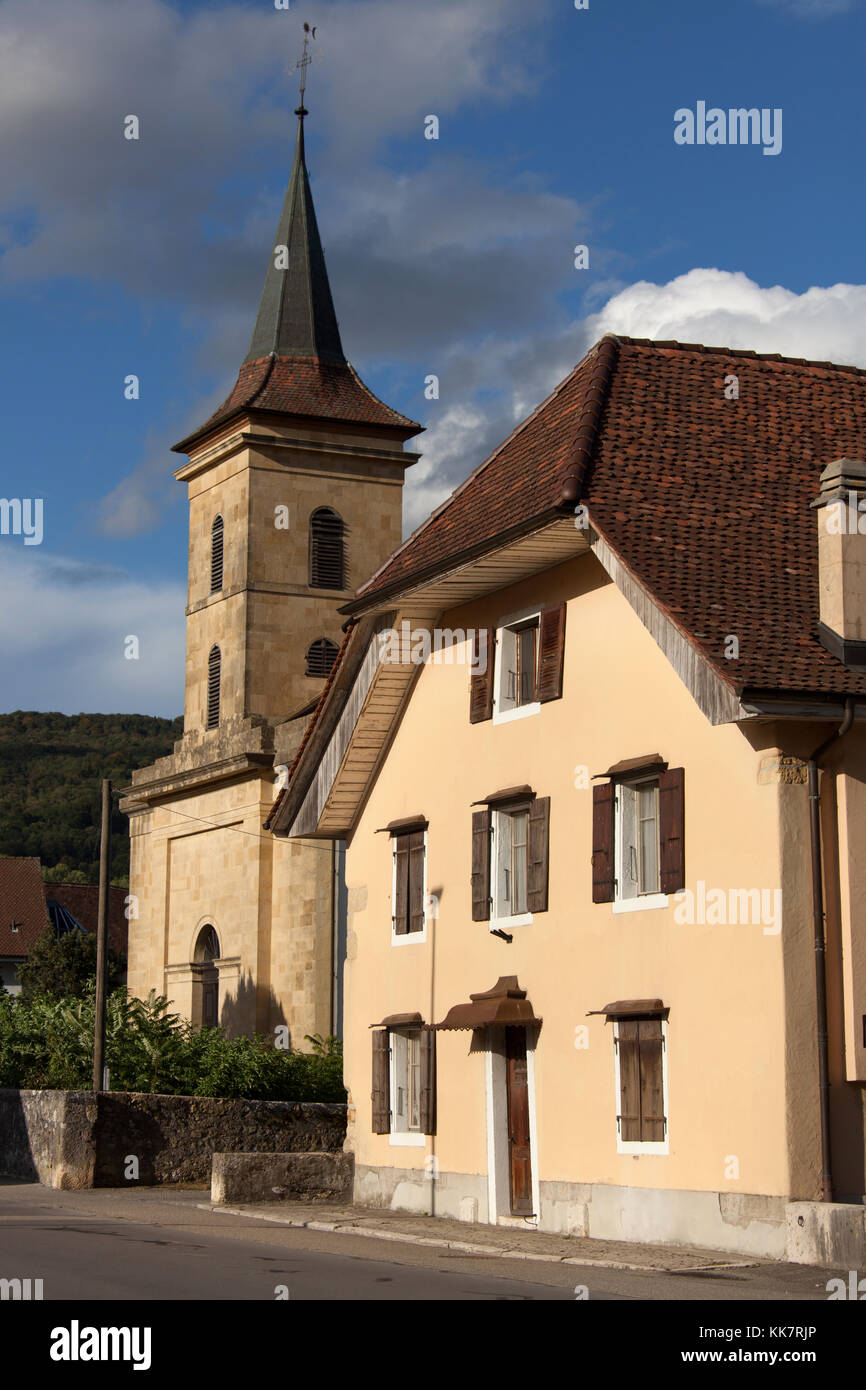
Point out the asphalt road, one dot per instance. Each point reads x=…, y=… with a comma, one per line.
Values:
x=152, y=1244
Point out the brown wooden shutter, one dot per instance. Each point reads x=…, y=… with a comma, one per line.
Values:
x=481, y=687
x=652, y=1105
x=481, y=822
x=539, y=854
x=381, y=1092
x=629, y=1081
x=672, y=859
x=428, y=1081
x=551, y=653
x=401, y=884
x=602, y=843
x=416, y=880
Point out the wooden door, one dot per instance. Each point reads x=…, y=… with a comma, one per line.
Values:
x=210, y=1001
x=517, y=1087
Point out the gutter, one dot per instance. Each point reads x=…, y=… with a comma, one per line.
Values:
x=820, y=946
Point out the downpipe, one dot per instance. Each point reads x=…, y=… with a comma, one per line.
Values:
x=820, y=946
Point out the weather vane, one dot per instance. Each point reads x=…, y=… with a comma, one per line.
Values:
x=303, y=63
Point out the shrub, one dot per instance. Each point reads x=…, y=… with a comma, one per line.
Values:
x=47, y=1043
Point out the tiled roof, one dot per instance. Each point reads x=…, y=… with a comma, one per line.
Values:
x=306, y=387
x=22, y=901
x=705, y=499
x=82, y=900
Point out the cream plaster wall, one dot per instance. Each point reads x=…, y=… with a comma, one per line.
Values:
x=724, y=984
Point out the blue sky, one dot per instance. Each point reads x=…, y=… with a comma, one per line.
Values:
x=452, y=256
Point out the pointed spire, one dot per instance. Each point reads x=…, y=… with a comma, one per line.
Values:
x=296, y=315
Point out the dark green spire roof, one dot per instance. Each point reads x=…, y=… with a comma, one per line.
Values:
x=296, y=315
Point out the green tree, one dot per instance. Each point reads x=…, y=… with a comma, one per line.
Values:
x=62, y=967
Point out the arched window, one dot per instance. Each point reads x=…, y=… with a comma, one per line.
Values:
x=327, y=550
x=206, y=980
x=214, y=665
x=216, y=555
x=321, y=656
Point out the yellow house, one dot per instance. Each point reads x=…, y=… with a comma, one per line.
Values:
x=295, y=487
x=595, y=747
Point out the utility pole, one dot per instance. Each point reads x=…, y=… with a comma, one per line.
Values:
x=101, y=938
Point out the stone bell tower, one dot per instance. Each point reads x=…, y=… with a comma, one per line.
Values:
x=295, y=487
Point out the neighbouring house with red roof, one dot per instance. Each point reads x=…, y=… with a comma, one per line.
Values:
x=29, y=907
x=23, y=916
x=595, y=744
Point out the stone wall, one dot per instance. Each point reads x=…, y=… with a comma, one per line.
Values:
x=74, y=1139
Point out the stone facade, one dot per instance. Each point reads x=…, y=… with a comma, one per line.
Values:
x=200, y=857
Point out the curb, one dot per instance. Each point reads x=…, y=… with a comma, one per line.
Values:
x=344, y=1228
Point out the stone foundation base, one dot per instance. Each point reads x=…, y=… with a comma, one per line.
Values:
x=742, y=1223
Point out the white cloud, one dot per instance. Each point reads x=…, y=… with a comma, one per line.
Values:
x=719, y=308
x=722, y=308
x=63, y=627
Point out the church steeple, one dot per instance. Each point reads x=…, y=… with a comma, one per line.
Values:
x=296, y=315
x=296, y=366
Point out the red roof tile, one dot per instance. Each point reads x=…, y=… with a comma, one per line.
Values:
x=306, y=387
x=705, y=499
x=22, y=902
x=82, y=900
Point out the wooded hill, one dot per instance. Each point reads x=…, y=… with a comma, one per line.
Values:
x=51, y=771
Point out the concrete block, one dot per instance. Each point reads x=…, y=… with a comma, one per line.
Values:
x=274, y=1177
x=832, y=1234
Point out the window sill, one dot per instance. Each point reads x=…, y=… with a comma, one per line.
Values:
x=408, y=938
x=635, y=1149
x=523, y=919
x=507, y=716
x=645, y=903
x=407, y=1139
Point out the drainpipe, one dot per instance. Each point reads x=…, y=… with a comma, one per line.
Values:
x=335, y=927
x=820, y=948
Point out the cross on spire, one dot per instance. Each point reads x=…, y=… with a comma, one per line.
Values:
x=303, y=63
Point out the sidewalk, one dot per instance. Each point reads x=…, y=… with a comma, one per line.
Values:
x=489, y=1241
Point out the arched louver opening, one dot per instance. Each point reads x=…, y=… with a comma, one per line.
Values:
x=214, y=664
x=207, y=946
x=216, y=555
x=327, y=550
x=321, y=656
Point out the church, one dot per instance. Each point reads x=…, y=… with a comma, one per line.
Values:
x=295, y=499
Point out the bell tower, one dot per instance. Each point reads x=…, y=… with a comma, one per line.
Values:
x=295, y=499
x=295, y=493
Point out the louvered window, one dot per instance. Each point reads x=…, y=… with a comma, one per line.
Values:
x=216, y=555
x=214, y=664
x=321, y=656
x=327, y=550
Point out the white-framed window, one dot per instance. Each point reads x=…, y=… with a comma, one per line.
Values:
x=409, y=888
x=641, y=1077
x=636, y=846
x=510, y=867
x=406, y=1086
x=515, y=692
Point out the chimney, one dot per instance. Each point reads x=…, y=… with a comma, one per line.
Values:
x=842, y=561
